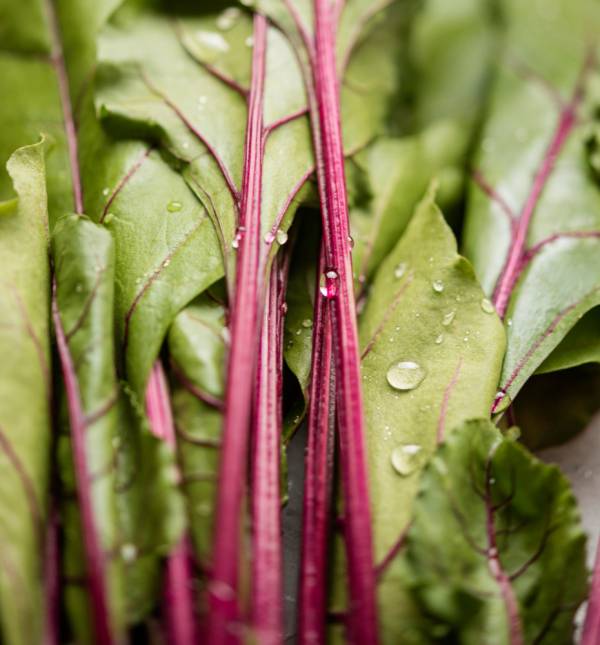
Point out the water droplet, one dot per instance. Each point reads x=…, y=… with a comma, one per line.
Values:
x=235, y=243
x=501, y=401
x=249, y=42
x=307, y=322
x=400, y=270
x=329, y=284
x=350, y=241
x=105, y=191
x=440, y=339
x=298, y=332
x=129, y=552
x=174, y=206
x=282, y=237
x=109, y=217
x=269, y=237
x=405, y=375
x=448, y=318
x=487, y=306
x=185, y=145
x=228, y=18
x=437, y=286
x=284, y=308
x=212, y=42
x=408, y=458
x=509, y=322
x=226, y=335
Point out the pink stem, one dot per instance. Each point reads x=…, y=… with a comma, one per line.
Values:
x=318, y=480
x=178, y=595
x=591, y=626
x=51, y=580
x=325, y=112
x=245, y=329
x=93, y=553
x=514, y=262
x=266, y=597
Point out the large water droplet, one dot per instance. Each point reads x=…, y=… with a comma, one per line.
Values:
x=174, y=206
x=487, y=306
x=400, y=270
x=448, y=318
x=408, y=458
x=228, y=18
x=405, y=375
x=437, y=286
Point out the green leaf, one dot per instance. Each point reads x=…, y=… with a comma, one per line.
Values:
x=182, y=80
x=533, y=222
x=25, y=394
x=431, y=358
x=83, y=257
x=399, y=170
x=452, y=50
x=496, y=551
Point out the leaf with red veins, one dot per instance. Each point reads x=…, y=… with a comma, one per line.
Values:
x=431, y=359
x=25, y=420
x=535, y=244
x=83, y=258
x=484, y=491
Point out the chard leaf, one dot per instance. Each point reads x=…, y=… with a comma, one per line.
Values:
x=399, y=170
x=182, y=80
x=83, y=257
x=431, y=355
x=508, y=566
x=25, y=394
x=533, y=223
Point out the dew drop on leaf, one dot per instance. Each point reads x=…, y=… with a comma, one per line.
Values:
x=440, y=339
x=448, y=318
x=307, y=322
x=129, y=552
x=405, y=375
x=400, y=270
x=212, y=42
x=487, y=306
x=407, y=458
x=437, y=286
x=282, y=237
x=228, y=18
x=174, y=206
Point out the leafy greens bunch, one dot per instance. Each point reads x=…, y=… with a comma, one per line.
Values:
x=222, y=229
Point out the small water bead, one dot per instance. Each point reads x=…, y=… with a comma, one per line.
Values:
x=221, y=590
x=509, y=322
x=212, y=41
x=249, y=42
x=437, y=286
x=105, y=191
x=448, y=318
x=400, y=270
x=329, y=284
x=350, y=241
x=501, y=402
x=405, y=375
x=174, y=206
x=109, y=217
x=284, y=308
x=269, y=237
x=228, y=18
x=129, y=552
x=226, y=335
x=281, y=236
x=298, y=332
x=307, y=323
x=487, y=306
x=407, y=458
x=440, y=339
x=238, y=237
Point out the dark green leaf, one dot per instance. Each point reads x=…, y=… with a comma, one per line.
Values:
x=496, y=551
